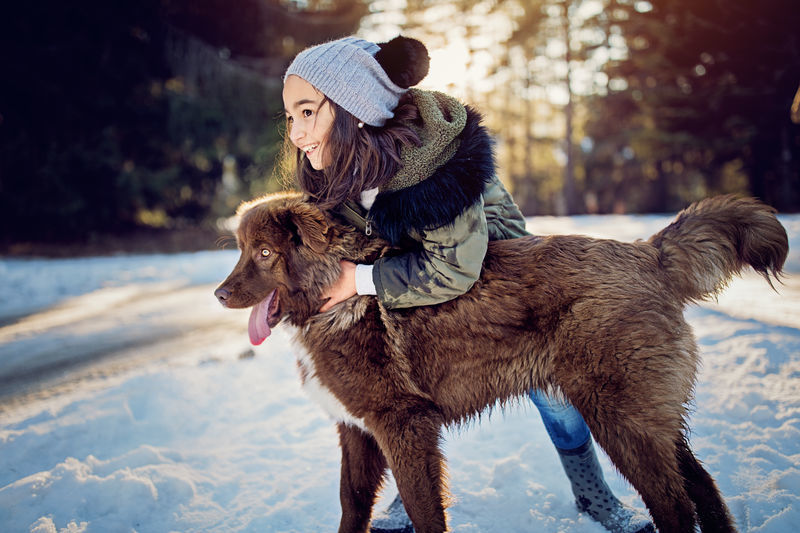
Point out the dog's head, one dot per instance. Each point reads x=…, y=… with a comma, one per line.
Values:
x=287, y=258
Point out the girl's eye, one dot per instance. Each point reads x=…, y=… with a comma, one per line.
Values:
x=265, y=252
x=307, y=113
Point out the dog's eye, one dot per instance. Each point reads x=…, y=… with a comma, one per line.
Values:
x=265, y=252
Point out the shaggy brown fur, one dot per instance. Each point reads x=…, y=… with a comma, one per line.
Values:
x=598, y=319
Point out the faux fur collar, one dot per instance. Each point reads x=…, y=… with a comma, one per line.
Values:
x=454, y=182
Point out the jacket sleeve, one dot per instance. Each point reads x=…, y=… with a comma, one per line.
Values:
x=446, y=266
x=503, y=217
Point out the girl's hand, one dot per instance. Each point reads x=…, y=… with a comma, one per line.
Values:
x=344, y=288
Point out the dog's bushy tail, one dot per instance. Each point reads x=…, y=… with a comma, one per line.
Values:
x=714, y=239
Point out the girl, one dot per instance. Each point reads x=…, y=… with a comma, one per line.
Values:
x=417, y=168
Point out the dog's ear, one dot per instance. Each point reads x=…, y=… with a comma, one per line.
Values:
x=310, y=227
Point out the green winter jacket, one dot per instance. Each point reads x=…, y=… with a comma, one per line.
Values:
x=447, y=201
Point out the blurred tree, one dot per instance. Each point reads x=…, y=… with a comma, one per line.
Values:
x=553, y=58
x=165, y=113
x=526, y=144
x=622, y=148
x=631, y=105
x=120, y=115
x=700, y=104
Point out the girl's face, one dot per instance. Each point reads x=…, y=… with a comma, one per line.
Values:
x=309, y=116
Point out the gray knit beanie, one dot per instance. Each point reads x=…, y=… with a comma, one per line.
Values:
x=347, y=72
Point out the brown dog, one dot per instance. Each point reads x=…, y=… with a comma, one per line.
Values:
x=599, y=320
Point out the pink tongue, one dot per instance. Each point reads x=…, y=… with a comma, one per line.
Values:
x=258, y=328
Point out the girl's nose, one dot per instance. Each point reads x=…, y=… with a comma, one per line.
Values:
x=296, y=132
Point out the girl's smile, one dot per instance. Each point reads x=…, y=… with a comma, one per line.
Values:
x=309, y=117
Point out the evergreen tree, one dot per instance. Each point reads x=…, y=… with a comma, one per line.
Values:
x=117, y=115
x=705, y=93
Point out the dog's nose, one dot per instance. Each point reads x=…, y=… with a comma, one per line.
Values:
x=222, y=295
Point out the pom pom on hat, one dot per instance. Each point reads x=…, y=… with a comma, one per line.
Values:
x=405, y=60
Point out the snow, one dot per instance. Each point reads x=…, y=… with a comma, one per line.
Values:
x=131, y=401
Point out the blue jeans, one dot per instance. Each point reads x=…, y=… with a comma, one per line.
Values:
x=562, y=421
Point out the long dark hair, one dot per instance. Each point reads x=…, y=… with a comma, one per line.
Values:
x=360, y=158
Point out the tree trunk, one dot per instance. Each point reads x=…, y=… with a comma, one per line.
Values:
x=570, y=200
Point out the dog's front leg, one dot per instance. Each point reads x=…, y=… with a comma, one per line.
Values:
x=363, y=467
x=409, y=437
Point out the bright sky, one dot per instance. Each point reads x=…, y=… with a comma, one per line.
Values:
x=448, y=66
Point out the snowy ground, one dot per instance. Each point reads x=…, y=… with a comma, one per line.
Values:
x=131, y=401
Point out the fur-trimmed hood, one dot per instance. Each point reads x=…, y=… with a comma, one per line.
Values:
x=440, y=178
